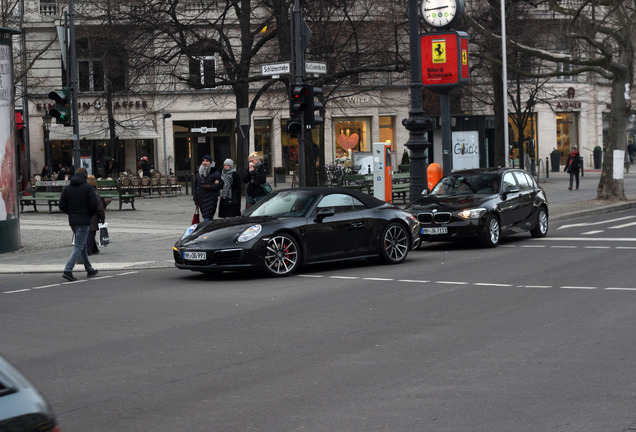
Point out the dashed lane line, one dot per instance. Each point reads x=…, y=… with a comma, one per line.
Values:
x=66, y=283
x=480, y=284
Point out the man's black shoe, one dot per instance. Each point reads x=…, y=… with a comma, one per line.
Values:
x=92, y=273
x=69, y=276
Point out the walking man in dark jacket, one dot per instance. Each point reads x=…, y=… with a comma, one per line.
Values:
x=79, y=201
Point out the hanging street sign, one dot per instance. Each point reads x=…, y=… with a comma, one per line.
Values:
x=316, y=67
x=276, y=68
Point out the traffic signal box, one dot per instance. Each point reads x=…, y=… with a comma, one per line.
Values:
x=302, y=104
x=297, y=101
x=62, y=111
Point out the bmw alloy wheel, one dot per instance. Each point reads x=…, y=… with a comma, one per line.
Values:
x=281, y=255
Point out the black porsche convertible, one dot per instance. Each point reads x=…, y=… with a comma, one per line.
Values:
x=299, y=226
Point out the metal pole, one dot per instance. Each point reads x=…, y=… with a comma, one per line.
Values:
x=417, y=124
x=447, y=156
x=504, y=61
x=72, y=66
x=165, y=158
x=298, y=73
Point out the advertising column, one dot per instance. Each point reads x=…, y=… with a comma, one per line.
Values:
x=9, y=222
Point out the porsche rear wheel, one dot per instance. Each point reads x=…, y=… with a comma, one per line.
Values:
x=395, y=244
x=282, y=255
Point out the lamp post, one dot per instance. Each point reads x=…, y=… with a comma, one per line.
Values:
x=417, y=124
x=165, y=157
x=46, y=124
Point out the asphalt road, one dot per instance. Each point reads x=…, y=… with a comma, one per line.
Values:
x=535, y=335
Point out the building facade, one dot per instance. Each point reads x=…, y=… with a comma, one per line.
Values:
x=175, y=126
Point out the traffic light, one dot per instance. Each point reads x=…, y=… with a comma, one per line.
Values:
x=62, y=111
x=313, y=104
x=297, y=109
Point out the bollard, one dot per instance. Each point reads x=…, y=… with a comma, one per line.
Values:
x=187, y=176
x=434, y=174
x=547, y=171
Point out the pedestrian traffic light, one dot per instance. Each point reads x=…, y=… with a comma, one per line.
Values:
x=62, y=111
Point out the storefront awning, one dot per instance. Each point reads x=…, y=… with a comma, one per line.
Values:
x=128, y=129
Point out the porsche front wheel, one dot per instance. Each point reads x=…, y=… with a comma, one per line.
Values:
x=282, y=255
x=395, y=244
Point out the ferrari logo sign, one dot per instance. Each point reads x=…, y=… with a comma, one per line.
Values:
x=439, y=50
x=444, y=60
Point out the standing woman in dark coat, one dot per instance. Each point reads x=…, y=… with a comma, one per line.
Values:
x=255, y=177
x=231, y=193
x=207, y=183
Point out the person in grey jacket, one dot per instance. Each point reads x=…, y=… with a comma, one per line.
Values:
x=79, y=201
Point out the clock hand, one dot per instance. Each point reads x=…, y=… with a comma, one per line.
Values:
x=435, y=8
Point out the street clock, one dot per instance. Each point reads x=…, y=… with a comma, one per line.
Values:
x=441, y=14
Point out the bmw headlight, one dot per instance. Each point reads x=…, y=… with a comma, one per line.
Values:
x=189, y=231
x=250, y=233
x=472, y=213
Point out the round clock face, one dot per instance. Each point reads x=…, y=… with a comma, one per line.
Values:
x=441, y=13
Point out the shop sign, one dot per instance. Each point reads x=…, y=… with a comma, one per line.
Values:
x=444, y=59
x=568, y=105
x=117, y=105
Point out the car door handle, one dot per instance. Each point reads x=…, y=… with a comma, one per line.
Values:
x=357, y=225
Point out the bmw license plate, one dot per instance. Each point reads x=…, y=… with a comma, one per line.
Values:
x=441, y=230
x=194, y=256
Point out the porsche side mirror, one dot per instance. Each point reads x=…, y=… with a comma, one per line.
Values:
x=425, y=192
x=323, y=213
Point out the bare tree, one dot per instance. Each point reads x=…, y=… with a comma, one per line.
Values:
x=603, y=35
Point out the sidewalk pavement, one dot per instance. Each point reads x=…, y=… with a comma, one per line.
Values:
x=143, y=238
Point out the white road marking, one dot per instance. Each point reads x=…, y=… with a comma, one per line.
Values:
x=536, y=286
x=312, y=276
x=452, y=283
x=593, y=232
x=623, y=226
x=597, y=247
x=16, y=291
x=595, y=223
x=619, y=289
x=344, y=277
x=377, y=279
x=412, y=281
x=564, y=247
x=46, y=286
x=533, y=246
x=579, y=287
x=492, y=284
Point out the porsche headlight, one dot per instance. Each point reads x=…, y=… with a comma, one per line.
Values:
x=250, y=233
x=472, y=213
x=189, y=231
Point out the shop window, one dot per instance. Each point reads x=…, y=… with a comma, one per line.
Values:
x=567, y=133
x=350, y=136
x=387, y=130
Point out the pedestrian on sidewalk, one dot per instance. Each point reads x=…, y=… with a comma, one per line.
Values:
x=573, y=166
x=79, y=201
x=207, y=183
x=98, y=218
x=255, y=177
x=230, y=204
x=631, y=150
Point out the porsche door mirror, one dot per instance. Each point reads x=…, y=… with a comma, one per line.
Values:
x=323, y=213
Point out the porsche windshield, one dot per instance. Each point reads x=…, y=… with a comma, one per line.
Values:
x=467, y=184
x=294, y=203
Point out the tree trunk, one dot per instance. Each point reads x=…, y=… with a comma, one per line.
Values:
x=497, y=87
x=610, y=188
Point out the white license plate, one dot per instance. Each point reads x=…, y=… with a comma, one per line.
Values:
x=194, y=256
x=442, y=230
